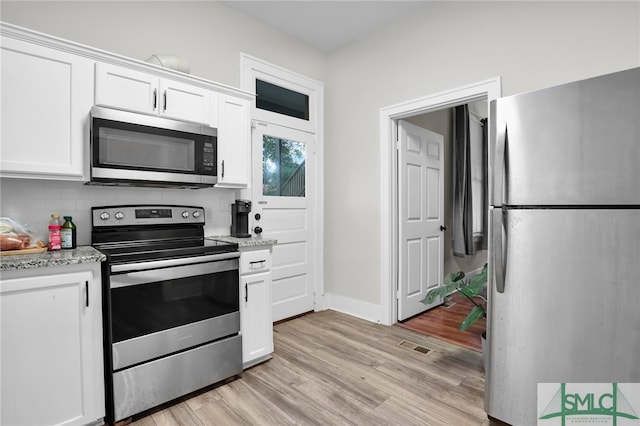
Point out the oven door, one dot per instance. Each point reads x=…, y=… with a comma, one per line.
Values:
x=162, y=307
x=138, y=149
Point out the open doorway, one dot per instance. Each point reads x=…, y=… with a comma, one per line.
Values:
x=434, y=258
x=487, y=90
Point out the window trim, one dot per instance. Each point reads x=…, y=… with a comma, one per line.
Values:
x=253, y=68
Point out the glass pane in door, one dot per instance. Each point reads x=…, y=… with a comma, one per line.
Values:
x=281, y=100
x=283, y=167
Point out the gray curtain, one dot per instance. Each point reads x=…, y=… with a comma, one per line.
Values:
x=462, y=201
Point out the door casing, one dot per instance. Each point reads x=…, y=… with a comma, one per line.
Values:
x=251, y=68
x=490, y=89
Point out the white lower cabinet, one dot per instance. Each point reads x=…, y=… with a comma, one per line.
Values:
x=51, y=342
x=256, y=322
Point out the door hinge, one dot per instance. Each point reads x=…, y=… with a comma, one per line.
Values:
x=398, y=145
x=398, y=294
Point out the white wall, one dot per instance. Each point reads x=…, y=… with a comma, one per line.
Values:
x=442, y=46
x=211, y=36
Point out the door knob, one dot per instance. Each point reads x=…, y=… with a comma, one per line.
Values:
x=257, y=230
x=443, y=227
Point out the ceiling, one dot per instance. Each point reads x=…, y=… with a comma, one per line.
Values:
x=325, y=25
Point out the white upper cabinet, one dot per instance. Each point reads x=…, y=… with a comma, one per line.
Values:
x=49, y=85
x=234, y=141
x=46, y=98
x=185, y=102
x=132, y=90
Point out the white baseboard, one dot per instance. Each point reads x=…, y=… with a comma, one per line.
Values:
x=357, y=308
x=365, y=310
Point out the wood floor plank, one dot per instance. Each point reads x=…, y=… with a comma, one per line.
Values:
x=261, y=410
x=366, y=394
x=443, y=321
x=220, y=413
x=330, y=368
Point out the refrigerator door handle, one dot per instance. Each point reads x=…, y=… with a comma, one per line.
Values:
x=497, y=243
x=499, y=164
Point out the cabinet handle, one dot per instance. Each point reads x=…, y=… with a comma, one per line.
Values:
x=155, y=99
x=222, y=169
x=246, y=292
x=164, y=95
x=256, y=261
x=86, y=287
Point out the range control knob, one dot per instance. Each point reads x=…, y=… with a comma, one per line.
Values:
x=185, y=214
x=257, y=230
x=104, y=216
x=119, y=215
x=196, y=214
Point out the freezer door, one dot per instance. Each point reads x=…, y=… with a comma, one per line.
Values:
x=575, y=144
x=570, y=307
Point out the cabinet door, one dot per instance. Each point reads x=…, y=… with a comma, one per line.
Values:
x=255, y=318
x=137, y=91
x=123, y=88
x=51, y=371
x=234, y=139
x=184, y=101
x=46, y=98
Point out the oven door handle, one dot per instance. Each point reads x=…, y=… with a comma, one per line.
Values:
x=132, y=278
x=166, y=263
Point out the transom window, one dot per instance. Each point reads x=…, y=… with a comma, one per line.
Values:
x=280, y=100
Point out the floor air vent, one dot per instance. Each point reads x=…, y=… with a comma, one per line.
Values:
x=414, y=347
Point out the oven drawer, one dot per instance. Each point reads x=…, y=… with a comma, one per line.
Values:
x=154, y=345
x=253, y=262
x=145, y=386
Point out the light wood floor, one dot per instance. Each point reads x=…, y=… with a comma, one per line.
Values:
x=333, y=369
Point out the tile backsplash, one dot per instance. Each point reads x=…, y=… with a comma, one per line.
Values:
x=29, y=201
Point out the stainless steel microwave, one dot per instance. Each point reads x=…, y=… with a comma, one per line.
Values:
x=140, y=150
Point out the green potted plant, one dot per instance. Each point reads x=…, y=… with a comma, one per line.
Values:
x=472, y=288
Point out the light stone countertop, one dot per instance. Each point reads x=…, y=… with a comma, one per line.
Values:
x=252, y=241
x=82, y=254
x=88, y=254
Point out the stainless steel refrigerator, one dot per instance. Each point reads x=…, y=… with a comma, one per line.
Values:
x=564, y=254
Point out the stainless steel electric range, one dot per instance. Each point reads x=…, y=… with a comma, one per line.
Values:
x=171, y=305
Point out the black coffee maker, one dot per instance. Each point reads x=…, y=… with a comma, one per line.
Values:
x=240, y=218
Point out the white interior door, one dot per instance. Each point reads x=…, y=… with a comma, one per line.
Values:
x=420, y=214
x=282, y=192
